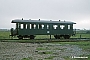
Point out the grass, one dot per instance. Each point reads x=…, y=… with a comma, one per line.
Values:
x=88, y=57
x=28, y=58
x=25, y=59
x=42, y=48
x=82, y=36
x=4, y=34
x=67, y=58
x=49, y=58
x=85, y=45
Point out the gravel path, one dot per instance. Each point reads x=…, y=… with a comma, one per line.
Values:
x=36, y=51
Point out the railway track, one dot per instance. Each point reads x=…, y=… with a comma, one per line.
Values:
x=45, y=40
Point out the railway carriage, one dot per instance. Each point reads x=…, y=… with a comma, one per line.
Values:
x=30, y=28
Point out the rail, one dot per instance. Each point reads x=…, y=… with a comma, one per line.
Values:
x=45, y=40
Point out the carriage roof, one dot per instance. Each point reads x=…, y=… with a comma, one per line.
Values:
x=42, y=21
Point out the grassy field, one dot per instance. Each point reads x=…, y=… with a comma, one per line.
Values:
x=82, y=36
x=85, y=45
x=5, y=35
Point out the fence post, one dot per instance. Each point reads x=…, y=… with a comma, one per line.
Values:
x=50, y=36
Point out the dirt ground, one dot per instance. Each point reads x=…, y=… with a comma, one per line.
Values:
x=38, y=51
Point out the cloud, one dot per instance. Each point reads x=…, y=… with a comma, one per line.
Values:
x=71, y=10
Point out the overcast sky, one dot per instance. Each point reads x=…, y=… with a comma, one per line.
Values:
x=70, y=10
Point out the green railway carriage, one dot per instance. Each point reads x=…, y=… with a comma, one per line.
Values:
x=30, y=28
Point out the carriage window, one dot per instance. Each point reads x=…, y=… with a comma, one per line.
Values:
x=47, y=26
x=42, y=26
x=21, y=26
x=34, y=26
x=55, y=26
x=68, y=26
x=39, y=26
x=26, y=26
x=30, y=26
x=62, y=26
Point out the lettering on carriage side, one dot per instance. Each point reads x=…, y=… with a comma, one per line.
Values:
x=48, y=31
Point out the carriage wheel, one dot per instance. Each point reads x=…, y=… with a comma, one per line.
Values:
x=20, y=37
x=57, y=36
x=66, y=36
